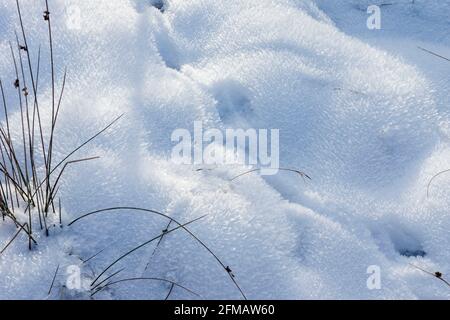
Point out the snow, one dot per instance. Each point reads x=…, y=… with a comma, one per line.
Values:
x=364, y=113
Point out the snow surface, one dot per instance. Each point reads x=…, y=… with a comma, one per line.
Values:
x=364, y=113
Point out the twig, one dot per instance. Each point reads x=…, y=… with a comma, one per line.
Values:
x=11, y=241
x=170, y=292
x=148, y=279
x=157, y=245
x=434, y=53
x=53, y=281
x=141, y=246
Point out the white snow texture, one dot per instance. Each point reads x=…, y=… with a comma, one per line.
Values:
x=364, y=112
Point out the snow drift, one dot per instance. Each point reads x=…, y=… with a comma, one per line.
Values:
x=368, y=123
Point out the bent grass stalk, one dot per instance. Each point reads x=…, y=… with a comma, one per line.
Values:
x=226, y=268
x=302, y=174
x=170, y=292
x=434, y=178
x=53, y=280
x=174, y=284
x=180, y=226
